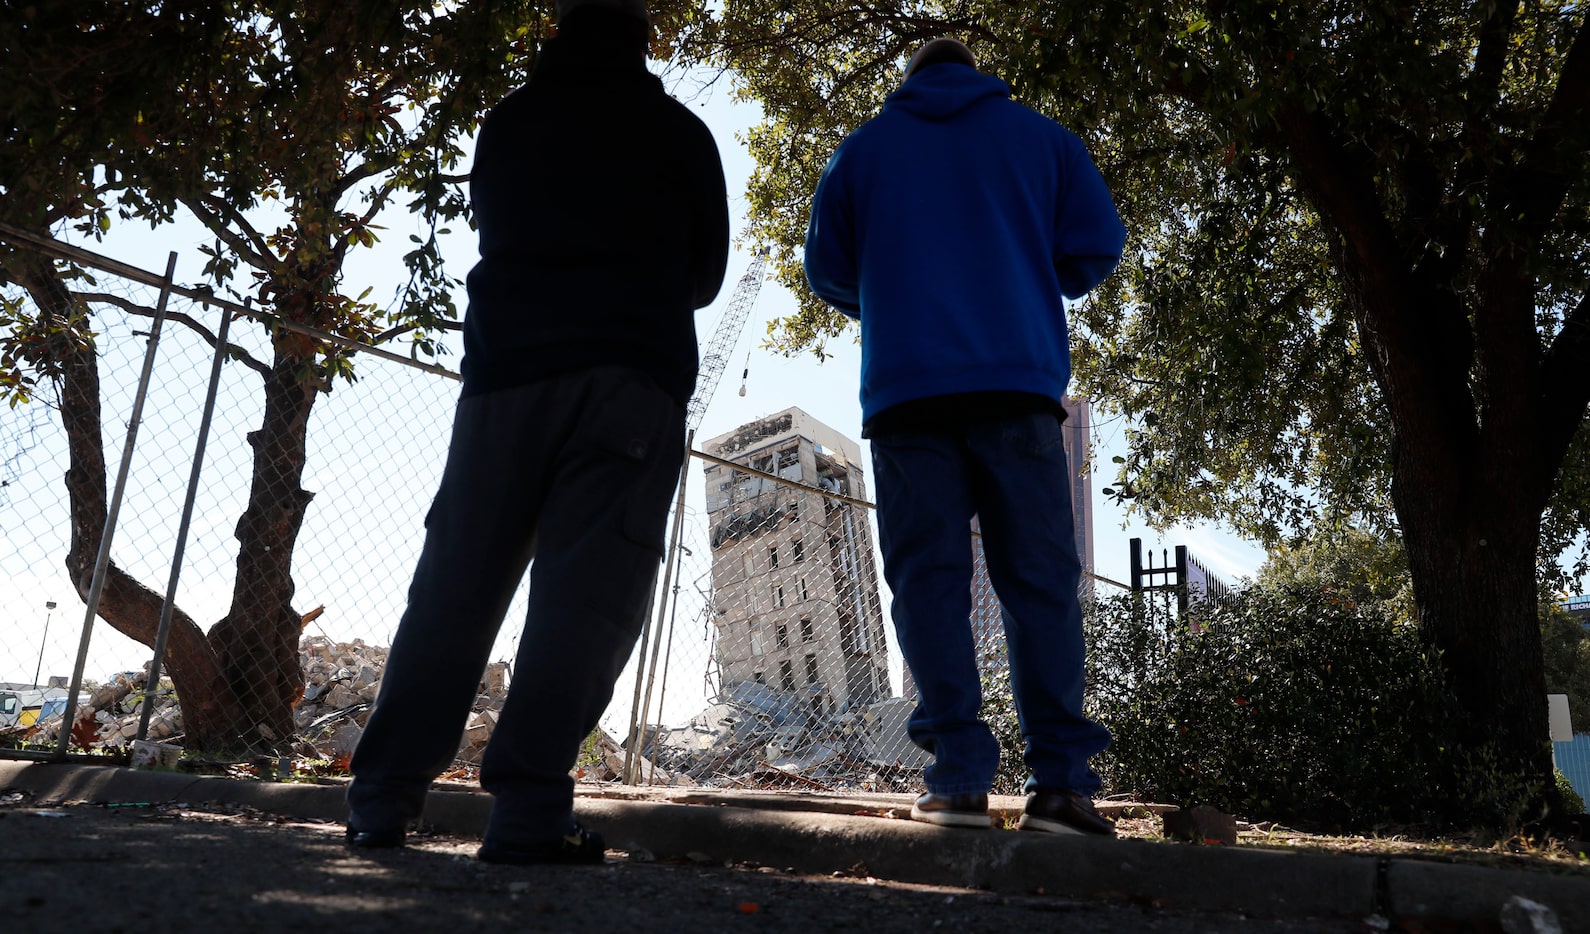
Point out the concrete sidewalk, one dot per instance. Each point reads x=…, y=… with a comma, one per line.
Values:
x=823, y=833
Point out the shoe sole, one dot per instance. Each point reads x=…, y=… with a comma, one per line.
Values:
x=952, y=818
x=1046, y=825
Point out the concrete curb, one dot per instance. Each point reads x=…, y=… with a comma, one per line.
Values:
x=826, y=836
x=1223, y=879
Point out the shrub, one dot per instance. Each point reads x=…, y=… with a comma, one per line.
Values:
x=1290, y=703
x=1572, y=803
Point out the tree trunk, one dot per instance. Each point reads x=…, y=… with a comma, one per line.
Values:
x=1474, y=579
x=258, y=639
x=210, y=711
x=1469, y=483
x=1473, y=460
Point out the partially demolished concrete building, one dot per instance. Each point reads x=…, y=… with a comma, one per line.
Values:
x=802, y=694
x=794, y=583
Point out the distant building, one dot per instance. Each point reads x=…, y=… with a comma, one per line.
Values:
x=1578, y=608
x=987, y=627
x=794, y=583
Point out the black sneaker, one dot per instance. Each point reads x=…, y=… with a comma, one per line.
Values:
x=1064, y=812
x=579, y=847
x=966, y=810
x=373, y=839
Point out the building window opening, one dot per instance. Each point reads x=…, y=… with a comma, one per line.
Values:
x=786, y=675
x=789, y=463
x=772, y=556
x=806, y=630
x=781, y=636
x=804, y=595
x=811, y=669
x=798, y=550
x=778, y=595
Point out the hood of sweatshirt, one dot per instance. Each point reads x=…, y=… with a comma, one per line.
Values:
x=939, y=92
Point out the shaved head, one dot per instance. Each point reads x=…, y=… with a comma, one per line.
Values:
x=938, y=52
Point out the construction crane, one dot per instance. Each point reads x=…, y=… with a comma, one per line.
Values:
x=713, y=362
x=716, y=357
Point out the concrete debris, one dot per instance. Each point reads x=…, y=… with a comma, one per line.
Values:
x=340, y=684
x=1521, y=915
x=757, y=735
x=108, y=716
x=752, y=735
x=341, y=680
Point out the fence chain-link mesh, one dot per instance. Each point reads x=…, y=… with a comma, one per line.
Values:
x=303, y=531
x=779, y=671
x=767, y=660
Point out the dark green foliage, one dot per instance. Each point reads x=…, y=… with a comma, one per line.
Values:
x=1565, y=644
x=1290, y=703
x=999, y=712
x=1571, y=802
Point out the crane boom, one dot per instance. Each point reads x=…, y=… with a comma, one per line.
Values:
x=716, y=357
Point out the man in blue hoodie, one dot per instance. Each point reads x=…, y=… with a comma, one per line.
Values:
x=603, y=226
x=953, y=226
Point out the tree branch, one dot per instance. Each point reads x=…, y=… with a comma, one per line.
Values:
x=401, y=329
x=1556, y=154
x=234, y=351
x=1565, y=393
x=1421, y=347
x=214, y=216
x=354, y=177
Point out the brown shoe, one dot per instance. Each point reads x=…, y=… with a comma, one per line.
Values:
x=1064, y=812
x=967, y=810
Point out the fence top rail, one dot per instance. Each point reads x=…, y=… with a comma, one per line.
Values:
x=75, y=254
x=781, y=481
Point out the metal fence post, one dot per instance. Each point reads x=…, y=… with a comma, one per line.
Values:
x=640, y=711
x=668, y=653
x=1182, y=596
x=167, y=608
x=102, y=563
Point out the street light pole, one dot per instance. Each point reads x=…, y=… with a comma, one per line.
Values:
x=49, y=606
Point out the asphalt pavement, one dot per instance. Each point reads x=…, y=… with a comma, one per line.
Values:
x=773, y=838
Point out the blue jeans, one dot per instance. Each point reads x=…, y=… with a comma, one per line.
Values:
x=1011, y=473
x=575, y=471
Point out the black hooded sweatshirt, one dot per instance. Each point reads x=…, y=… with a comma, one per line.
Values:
x=602, y=215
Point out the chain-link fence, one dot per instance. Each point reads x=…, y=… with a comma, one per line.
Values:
x=294, y=541
x=766, y=660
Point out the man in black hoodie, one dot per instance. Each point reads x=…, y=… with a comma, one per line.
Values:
x=603, y=225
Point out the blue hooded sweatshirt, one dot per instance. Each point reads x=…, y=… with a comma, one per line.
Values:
x=952, y=225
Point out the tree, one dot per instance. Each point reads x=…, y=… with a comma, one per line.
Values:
x=91, y=89
x=1358, y=287
x=1352, y=564
x=326, y=112
x=319, y=116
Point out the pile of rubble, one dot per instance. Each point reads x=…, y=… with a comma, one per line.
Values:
x=759, y=736
x=108, y=716
x=340, y=684
x=753, y=735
